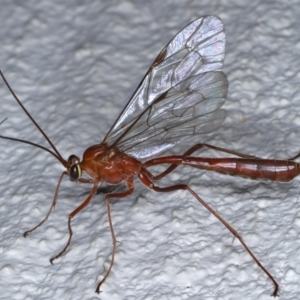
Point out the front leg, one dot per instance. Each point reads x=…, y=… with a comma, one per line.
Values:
x=51, y=207
x=72, y=214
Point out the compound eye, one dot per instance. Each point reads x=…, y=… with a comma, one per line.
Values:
x=75, y=172
x=73, y=159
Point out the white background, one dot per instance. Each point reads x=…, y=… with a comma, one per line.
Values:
x=74, y=66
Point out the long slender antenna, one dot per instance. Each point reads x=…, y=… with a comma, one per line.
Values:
x=57, y=155
x=3, y=121
x=32, y=144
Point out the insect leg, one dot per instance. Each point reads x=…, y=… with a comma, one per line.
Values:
x=294, y=157
x=145, y=177
x=72, y=214
x=51, y=207
x=130, y=185
x=239, y=154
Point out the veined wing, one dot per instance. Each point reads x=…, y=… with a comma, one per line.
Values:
x=180, y=95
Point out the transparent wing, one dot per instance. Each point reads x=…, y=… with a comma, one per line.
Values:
x=180, y=95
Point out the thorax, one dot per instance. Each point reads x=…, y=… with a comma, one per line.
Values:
x=108, y=164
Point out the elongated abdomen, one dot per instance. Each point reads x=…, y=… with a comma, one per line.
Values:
x=276, y=170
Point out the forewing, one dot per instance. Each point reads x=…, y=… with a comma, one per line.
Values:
x=190, y=108
x=180, y=95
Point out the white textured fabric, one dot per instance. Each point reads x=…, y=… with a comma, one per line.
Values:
x=74, y=66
